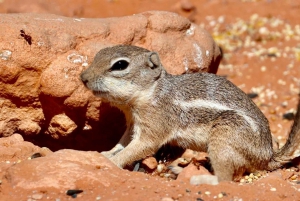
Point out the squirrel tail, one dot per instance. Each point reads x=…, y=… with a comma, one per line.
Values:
x=291, y=149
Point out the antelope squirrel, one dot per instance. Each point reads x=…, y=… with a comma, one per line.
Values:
x=201, y=111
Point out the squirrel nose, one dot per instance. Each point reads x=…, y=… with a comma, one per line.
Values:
x=84, y=78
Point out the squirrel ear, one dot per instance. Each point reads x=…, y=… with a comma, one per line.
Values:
x=153, y=60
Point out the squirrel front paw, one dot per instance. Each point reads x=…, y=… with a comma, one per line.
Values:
x=107, y=154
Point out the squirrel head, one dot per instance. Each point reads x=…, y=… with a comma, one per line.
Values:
x=119, y=73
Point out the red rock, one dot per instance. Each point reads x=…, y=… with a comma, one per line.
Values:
x=190, y=171
x=61, y=125
x=61, y=170
x=185, y=8
x=29, y=127
x=14, y=149
x=150, y=163
x=186, y=5
x=40, y=86
x=189, y=154
x=199, y=156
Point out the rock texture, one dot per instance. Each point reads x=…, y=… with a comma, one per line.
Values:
x=39, y=79
x=15, y=149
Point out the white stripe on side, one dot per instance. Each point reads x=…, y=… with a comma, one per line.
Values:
x=199, y=103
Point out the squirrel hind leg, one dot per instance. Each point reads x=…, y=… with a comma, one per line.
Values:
x=234, y=148
x=224, y=164
x=227, y=163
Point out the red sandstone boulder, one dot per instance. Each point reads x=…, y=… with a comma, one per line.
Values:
x=62, y=170
x=42, y=55
x=14, y=149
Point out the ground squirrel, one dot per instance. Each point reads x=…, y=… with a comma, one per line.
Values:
x=200, y=111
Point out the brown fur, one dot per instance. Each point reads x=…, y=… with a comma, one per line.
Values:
x=200, y=111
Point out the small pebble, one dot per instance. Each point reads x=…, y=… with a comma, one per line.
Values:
x=141, y=170
x=73, y=193
x=207, y=193
x=167, y=199
x=98, y=198
x=284, y=104
x=36, y=155
x=37, y=196
x=150, y=163
x=220, y=195
x=160, y=168
x=289, y=116
x=273, y=189
x=187, y=5
x=294, y=177
x=136, y=167
x=263, y=69
x=187, y=190
x=273, y=118
x=252, y=95
x=183, y=161
x=204, y=179
x=257, y=174
x=281, y=82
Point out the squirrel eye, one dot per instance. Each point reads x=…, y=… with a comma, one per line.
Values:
x=119, y=65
